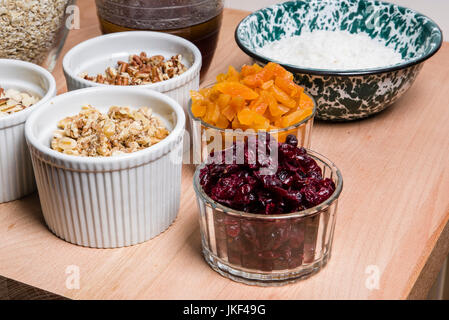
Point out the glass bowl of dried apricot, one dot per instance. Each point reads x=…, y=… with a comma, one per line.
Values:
x=241, y=104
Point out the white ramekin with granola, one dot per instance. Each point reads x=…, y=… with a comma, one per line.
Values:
x=24, y=87
x=121, y=130
x=108, y=164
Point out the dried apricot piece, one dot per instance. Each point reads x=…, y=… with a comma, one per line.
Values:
x=236, y=123
x=260, y=122
x=223, y=100
x=269, y=99
x=198, y=109
x=305, y=102
x=196, y=96
x=267, y=85
x=238, y=103
x=247, y=70
x=279, y=110
x=298, y=92
x=236, y=89
x=229, y=112
x=233, y=75
x=294, y=118
x=222, y=122
x=253, y=80
x=210, y=93
x=272, y=70
x=257, y=68
x=282, y=97
x=289, y=87
x=258, y=105
x=260, y=108
x=246, y=116
x=265, y=125
x=221, y=77
x=212, y=113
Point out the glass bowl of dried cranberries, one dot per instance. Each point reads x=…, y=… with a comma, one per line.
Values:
x=267, y=217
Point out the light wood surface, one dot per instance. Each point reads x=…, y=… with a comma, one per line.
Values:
x=393, y=212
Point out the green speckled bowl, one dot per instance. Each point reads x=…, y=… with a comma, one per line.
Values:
x=347, y=94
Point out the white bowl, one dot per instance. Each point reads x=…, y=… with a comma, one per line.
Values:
x=16, y=172
x=95, y=55
x=108, y=202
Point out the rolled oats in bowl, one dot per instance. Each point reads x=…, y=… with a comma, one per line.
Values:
x=122, y=130
x=33, y=30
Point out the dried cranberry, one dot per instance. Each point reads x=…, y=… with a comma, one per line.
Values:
x=291, y=140
x=296, y=184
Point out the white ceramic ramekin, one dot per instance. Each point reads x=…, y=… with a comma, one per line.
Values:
x=16, y=172
x=108, y=202
x=95, y=55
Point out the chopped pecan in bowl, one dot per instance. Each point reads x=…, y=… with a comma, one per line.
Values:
x=140, y=70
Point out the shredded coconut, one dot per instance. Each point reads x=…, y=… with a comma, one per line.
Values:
x=334, y=50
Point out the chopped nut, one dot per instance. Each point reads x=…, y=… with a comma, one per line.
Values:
x=100, y=78
x=121, y=130
x=123, y=66
x=137, y=60
x=140, y=70
x=12, y=101
x=112, y=72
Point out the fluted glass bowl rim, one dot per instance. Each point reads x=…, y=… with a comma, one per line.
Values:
x=301, y=214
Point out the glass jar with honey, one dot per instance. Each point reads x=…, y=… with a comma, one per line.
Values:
x=196, y=20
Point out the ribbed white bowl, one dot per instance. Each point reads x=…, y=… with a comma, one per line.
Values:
x=108, y=202
x=16, y=172
x=95, y=55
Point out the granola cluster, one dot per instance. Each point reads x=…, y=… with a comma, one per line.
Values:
x=12, y=101
x=29, y=28
x=122, y=130
x=140, y=70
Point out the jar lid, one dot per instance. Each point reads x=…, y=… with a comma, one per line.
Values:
x=158, y=14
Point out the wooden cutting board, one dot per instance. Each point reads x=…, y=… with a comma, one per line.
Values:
x=392, y=220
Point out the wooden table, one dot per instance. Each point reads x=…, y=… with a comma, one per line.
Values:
x=393, y=214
